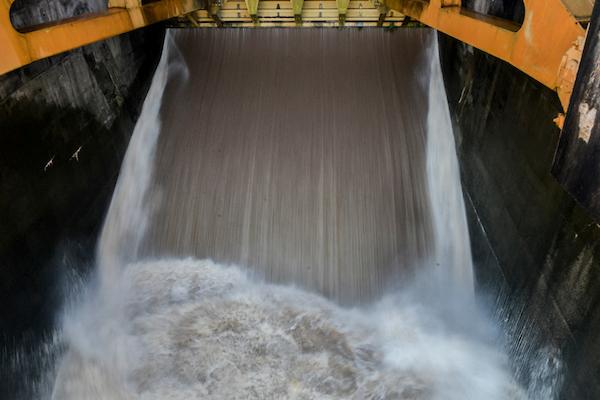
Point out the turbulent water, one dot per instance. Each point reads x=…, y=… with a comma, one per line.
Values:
x=322, y=164
x=196, y=329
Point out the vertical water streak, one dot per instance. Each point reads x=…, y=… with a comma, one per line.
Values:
x=127, y=218
x=452, y=252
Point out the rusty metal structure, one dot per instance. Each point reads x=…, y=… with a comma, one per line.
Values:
x=547, y=46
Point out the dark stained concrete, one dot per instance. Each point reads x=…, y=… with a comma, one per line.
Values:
x=27, y=13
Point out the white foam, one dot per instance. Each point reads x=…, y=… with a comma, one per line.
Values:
x=195, y=329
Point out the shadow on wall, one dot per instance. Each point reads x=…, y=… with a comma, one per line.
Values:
x=57, y=172
x=536, y=252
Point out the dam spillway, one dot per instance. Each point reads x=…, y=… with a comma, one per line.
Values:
x=338, y=206
x=284, y=151
x=182, y=301
x=347, y=202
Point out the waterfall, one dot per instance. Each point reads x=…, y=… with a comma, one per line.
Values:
x=300, y=155
x=345, y=205
x=129, y=211
x=452, y=249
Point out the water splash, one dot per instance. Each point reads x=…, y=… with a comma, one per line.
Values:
x=199, y=329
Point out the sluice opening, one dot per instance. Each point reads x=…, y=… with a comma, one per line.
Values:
x=204, y=209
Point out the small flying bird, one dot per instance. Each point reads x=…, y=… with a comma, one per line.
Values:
x=49, y=163
x=76, y=154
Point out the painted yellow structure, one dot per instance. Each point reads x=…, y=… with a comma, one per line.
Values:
x=546, y=47
x=20, y=49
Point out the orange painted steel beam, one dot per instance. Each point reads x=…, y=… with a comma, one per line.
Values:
x=545, y=47
x=18, y=49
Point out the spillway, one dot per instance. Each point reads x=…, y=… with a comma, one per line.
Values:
x=277, y=213
x=289, y=156
x=337, y=202
x=240, y=232
x=288, y=222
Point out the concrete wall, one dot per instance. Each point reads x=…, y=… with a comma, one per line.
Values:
x=64, y=126
x=536, y=252
x=26, y=13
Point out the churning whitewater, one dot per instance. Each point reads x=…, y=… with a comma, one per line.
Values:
x=163, y=324
x=195, y=329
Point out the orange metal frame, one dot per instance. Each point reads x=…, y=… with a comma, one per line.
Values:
x=546, y=47
x=18, y=49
